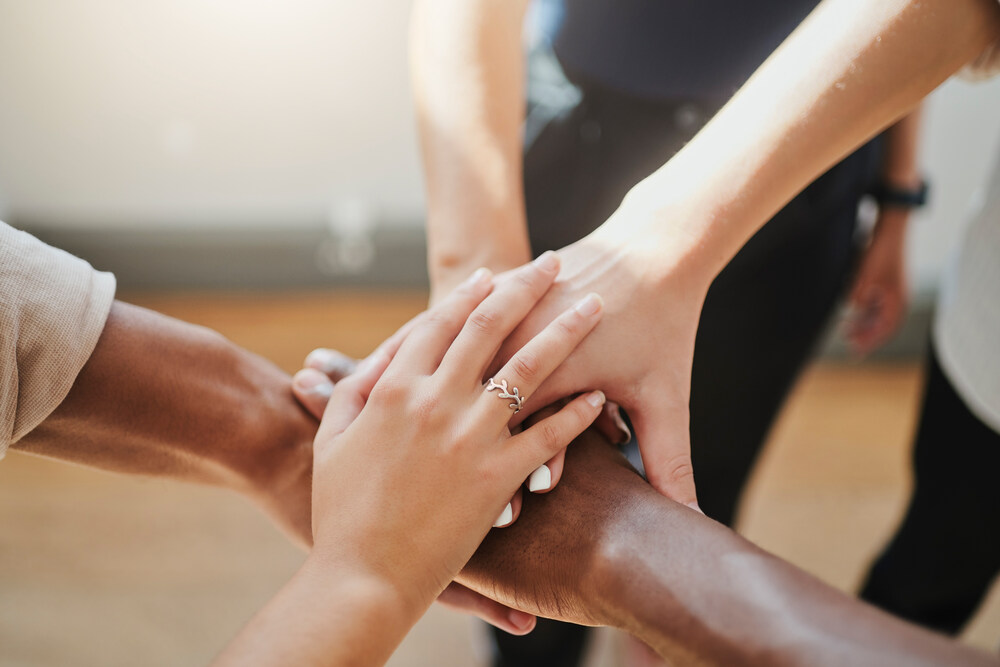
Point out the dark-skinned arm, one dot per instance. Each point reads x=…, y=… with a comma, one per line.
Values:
x=604, y=548
x=166, y=398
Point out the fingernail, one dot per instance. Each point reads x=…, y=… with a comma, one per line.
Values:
x=480, y=275
x=596, y=398
x=308, y=383
x=547, y=261
x=519, y=619
x=323, y=360
x=695, y=507
x=540, y=480
x=623, y=430
x=505, y=517
x=589, y=305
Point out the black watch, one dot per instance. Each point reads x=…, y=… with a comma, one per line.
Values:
x=890, y=196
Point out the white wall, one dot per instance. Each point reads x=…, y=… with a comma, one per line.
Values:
x=218, y=112
x=256, y=112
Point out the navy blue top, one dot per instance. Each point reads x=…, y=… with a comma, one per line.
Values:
x=669, y=49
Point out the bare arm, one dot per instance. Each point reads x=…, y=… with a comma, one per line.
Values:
x=166, y=398
x=879, y=295
x=604, y=548
x=468, y=79
x=853, y=68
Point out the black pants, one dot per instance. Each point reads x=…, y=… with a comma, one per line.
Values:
x=940, y=563
x=762, y=316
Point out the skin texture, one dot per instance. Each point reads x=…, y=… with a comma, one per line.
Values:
x=165, y=398
x=852, y=69
x=604, y=548
x=203, y=410
x=413, y=462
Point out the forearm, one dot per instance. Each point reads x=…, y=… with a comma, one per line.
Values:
x=166, y=398
x=696, y=591
x=851, y=69
x=468, y=78
x=325, y=616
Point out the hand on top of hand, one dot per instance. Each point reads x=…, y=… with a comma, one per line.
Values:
x=414, y=460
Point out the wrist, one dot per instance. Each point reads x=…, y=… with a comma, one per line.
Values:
x=387, y=598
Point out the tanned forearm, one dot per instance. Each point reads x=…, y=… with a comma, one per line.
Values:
x=851, y=69
x=699, y=593
x=468, y=78
x=605, y=548
x=166, y=398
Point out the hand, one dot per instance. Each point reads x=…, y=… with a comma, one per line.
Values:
x=878, y=298
x=641, y=353
x=550, y=562
x=313, y=386
x=412, y=445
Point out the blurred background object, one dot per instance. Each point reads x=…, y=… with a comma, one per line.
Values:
x=198, y=145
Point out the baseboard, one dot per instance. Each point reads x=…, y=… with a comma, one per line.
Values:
x=305, y=257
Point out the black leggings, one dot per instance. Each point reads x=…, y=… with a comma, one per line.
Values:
x=940, y=563
x=761, y=319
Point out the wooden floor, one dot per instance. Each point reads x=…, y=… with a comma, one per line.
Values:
x=97, y=569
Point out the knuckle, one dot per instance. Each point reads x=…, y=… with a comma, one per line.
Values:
x=526, y=366
x=389, y=390
x=548, y=435
x=679, y=468
x=483, y=320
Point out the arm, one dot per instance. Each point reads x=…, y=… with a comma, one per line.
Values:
x=852, y=68
x=879, y=294
x=403, y=490
x=604, y=548
x=166, y=398
x=468, y=77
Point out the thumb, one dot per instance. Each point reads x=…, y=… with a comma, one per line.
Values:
x=350, y=395
x=662, y=430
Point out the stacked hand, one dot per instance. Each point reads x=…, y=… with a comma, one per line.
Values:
x=412, y=444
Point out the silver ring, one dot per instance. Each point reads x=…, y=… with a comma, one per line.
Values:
x=506, y=393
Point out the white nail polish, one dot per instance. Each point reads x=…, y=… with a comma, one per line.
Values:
x=505, y=517
x=540, y=480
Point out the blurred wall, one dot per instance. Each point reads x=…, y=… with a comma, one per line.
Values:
x=208, y=112
x=237, y=114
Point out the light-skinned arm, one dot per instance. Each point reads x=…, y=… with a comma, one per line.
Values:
x=467, y=63
x=879, y=295
x=413, y=463
x=850, y=70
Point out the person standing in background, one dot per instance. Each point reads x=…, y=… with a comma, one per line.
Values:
x=641, y=78
x=941, y=561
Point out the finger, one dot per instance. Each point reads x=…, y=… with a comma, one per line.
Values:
x=611, y=425
x=542, y=355
x=546, y=476
x=422, y=349
x=349, y=396
x=498, y=315
x=334, y=364
x=665, y=445
x=458, y=597
x=543, y=440
x=312, y=389
x=510, y=512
